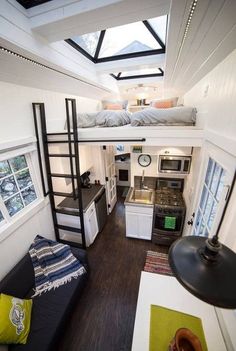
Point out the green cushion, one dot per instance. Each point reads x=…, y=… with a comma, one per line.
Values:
x=15, y=316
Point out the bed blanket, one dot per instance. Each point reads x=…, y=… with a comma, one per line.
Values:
x=104, y=118
x=54, y=264
x=180, y=115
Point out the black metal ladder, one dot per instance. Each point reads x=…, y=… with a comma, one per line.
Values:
x=70, y=137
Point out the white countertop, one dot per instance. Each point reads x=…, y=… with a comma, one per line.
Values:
x=166, y=291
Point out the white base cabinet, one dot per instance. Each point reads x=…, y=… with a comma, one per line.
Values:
x=90, y=225
x=139, y=221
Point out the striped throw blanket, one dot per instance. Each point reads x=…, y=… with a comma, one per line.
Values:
x=54, y=264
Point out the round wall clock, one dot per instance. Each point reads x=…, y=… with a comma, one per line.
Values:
x=144, y=160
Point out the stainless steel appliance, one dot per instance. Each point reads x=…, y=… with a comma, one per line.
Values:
x=174, y=164
x=101, y=209
x=169, y=211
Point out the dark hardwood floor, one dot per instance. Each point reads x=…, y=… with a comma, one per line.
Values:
x=103, y=319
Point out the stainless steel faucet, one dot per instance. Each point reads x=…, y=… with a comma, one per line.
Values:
x=142, y=182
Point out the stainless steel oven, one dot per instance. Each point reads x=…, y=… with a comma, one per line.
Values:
x=169, y=211
x=167, y=225
x=174, y=164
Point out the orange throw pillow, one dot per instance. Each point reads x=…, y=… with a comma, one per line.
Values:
x=163, y=104
x=113, y=107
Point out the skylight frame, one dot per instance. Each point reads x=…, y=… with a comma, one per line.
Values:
x=138, y=76
x=96, y=60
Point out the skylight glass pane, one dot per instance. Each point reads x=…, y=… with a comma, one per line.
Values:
x=126, y=39
x=88, y=42
x=139, y=72
x=159, y=26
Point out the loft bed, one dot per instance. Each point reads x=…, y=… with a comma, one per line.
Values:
x=152, y=126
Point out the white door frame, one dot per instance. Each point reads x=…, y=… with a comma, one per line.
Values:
x=226, y=160
x=110, y=177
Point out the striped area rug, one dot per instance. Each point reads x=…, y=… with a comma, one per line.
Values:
x=157, y=262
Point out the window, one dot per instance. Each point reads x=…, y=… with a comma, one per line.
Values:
x=1, y=217
x=137, y=39
x=210, y=198
x=120, y=147
x=17, y=190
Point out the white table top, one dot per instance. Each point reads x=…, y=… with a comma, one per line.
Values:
x=156, y=289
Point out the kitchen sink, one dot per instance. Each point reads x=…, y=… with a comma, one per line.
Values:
x=142, y=196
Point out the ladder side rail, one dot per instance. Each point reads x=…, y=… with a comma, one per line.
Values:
x=48, y=167
x=77, y=166
x=34, y=105
x=70, y=148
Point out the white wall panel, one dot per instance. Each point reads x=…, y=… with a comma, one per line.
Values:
x=14, y=247
x=215, y=99
x=16, y=109
x=152, y=169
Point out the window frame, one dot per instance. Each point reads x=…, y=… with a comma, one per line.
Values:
x=204, y=217
x=10, y=223
x=95, y=58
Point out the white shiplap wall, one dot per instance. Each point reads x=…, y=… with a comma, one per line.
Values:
x=215, y=99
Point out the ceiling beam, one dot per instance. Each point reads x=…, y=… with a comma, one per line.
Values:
x=88, y=16
x=131, y=64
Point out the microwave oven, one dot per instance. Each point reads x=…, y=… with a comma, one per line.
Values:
x=174, y=164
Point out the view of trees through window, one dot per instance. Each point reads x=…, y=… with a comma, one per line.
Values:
x=1, y=217
x=16, y=185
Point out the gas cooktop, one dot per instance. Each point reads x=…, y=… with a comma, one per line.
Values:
x=169, y=197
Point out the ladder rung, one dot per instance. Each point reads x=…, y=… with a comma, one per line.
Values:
x=61, y=155
x=67, y=212
x=57, y=193
x=70, y=229
x=58, y=141
x=64, y=133
x=60, y=175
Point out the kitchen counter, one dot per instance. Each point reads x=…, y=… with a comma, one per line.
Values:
x=88, y=196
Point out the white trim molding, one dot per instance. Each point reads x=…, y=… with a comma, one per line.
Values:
x=225, y=143
x=21, y=218
x=16, y=144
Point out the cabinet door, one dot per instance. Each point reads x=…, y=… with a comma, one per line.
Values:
x=145, y=226
x=132, y=225
x=91, y=225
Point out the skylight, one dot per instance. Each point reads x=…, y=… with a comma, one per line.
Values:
x=131, y=40
x=88, y=42
x=127, y=39
x=140, y=73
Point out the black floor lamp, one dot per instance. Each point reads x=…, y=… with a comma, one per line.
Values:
x=205, y=267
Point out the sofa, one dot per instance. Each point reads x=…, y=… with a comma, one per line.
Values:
x=50, y=310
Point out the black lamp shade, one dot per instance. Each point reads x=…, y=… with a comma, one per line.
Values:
x=211, y=281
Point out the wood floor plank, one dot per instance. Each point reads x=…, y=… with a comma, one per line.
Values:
x=103, y=318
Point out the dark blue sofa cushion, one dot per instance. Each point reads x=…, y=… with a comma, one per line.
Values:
x=50, y=310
